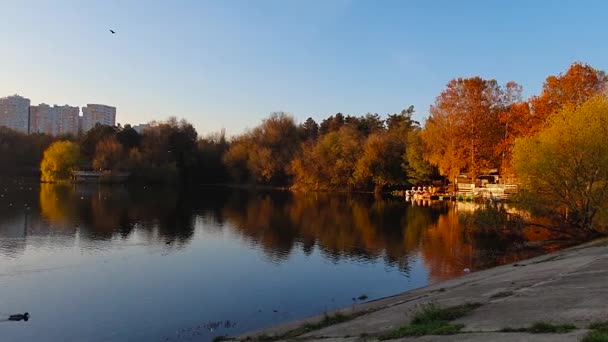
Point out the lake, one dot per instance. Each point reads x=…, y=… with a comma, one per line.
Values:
x=152, y=263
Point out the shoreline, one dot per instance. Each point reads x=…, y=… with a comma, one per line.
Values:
x=564, y=287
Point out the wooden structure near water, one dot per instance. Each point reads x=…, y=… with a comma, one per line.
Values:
x=99, y=176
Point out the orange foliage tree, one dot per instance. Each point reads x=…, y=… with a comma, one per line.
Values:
x=577, y=85
x=527, y=118
x=464, y=125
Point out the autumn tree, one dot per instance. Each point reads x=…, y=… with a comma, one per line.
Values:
x=565, y=167
x=384, y=158
x=526, y=118
x=236, y=159
x=59, y=159
x=109, y=154
x=579, y=83
x=328, y=164
x=266, y=151
x=516, y=122
x=464, y=126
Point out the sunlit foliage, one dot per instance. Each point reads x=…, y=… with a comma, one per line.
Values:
x=565, y=166
x=264, y=153
x=417, y=168
x=464, y=127
x=381, y=162
x=579, y=83
x=329, y=164
x=59, y=160
x=526, y=118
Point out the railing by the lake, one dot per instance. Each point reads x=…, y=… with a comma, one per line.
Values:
x=496, y=191
x=99, y=176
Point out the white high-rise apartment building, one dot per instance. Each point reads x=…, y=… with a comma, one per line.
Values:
x=56, y=120
x=42, y=119
x=97, y=113
x=67, y=117
x=15, y=113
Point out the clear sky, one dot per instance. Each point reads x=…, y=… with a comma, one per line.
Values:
x=230, y=63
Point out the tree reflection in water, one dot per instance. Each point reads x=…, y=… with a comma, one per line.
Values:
x=339, y=226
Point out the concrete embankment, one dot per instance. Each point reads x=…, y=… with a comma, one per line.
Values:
x=569, y=287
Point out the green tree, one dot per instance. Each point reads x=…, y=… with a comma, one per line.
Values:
x=329, y=163
x=168, y=152
x=419, y=170
x=565, y=167
x=381, y=162
x=21, y=154
x=211, y=149
x=367, y=124
x=401, y=121
x=332, y=124
x=309, y=130
x=88, y=142
x=59, y=160
x=128, y=137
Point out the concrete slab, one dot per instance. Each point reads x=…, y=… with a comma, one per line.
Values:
x=570, y=286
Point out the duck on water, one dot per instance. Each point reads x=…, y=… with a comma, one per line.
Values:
x=18, y=317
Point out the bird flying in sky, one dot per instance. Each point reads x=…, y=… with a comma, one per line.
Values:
x=112, y=31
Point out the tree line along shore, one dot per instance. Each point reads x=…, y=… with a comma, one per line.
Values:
x=552, y=143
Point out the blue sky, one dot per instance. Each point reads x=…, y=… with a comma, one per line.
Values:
x=228, y=64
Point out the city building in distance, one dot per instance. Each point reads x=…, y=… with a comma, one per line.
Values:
x=56, y=120
x=15, y=112
x=93, y=114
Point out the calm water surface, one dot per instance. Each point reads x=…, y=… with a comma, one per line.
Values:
x=155, y=264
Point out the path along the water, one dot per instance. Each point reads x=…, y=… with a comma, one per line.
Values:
x=566, y=287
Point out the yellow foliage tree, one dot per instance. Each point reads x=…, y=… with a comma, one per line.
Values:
x=58, y=161
x=565, y=167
